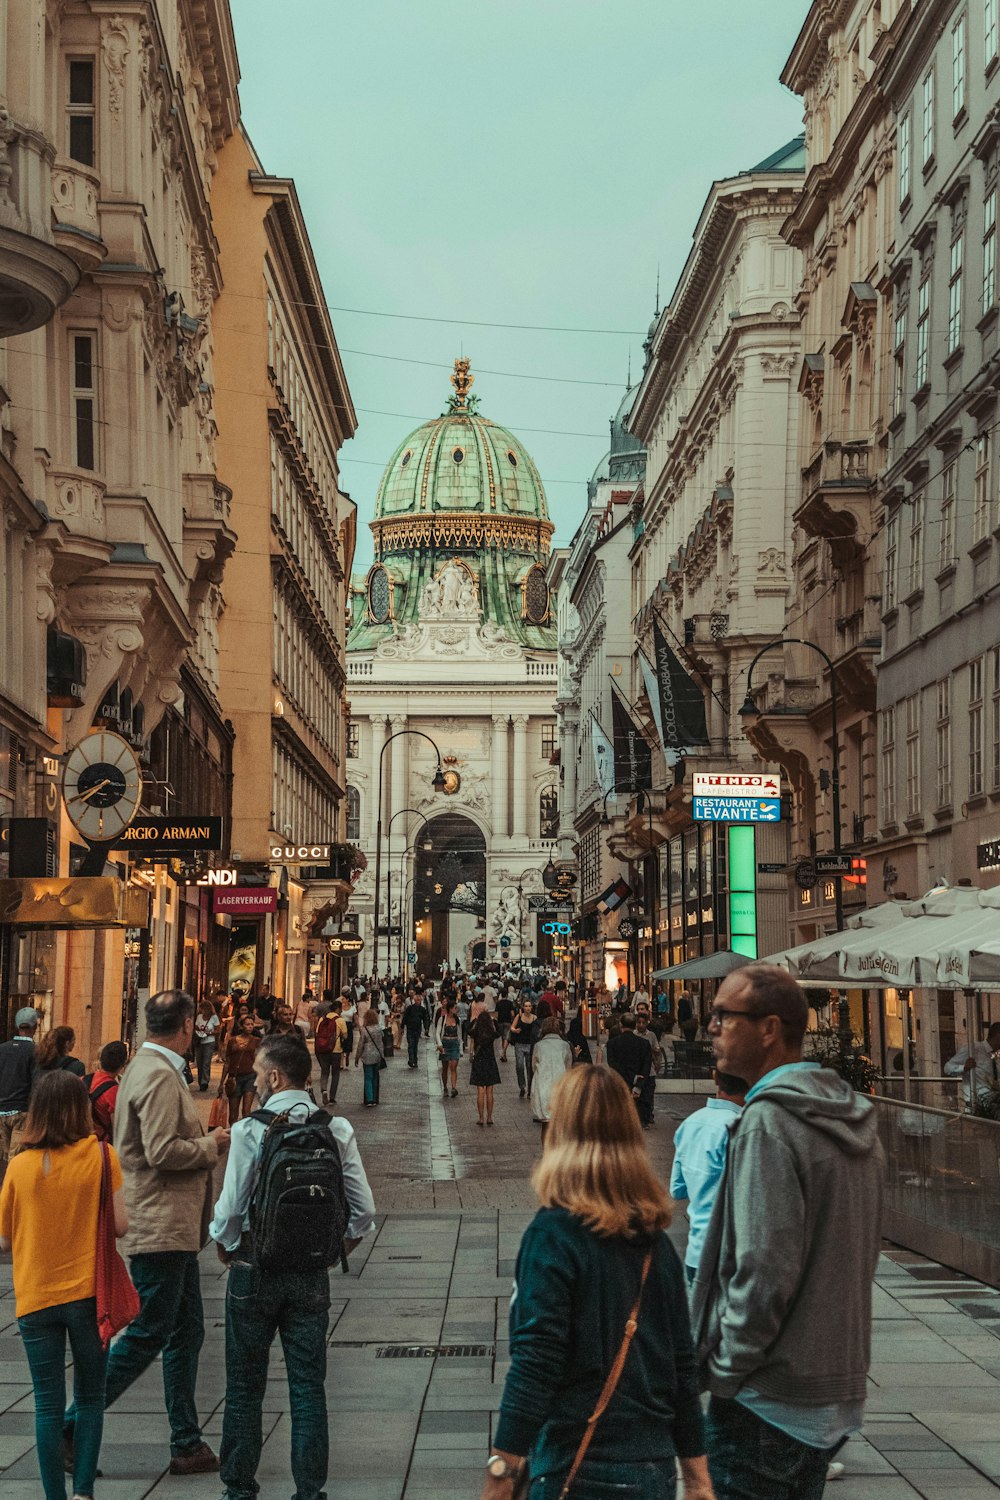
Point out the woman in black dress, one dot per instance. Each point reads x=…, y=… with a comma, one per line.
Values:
x=485, y=1073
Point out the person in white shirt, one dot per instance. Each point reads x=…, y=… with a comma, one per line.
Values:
x=977, y=1066
x=295, y=1303
x=206, y=1026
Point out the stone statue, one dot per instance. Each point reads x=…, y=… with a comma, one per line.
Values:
x=452, y=595
x=507, y=917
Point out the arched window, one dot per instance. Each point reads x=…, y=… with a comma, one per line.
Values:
x=353, y=814
x=548, y=813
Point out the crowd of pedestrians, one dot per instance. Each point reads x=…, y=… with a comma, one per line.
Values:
x=742, y=1370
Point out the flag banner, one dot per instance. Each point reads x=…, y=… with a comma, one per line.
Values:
x=682, y=704
x=633, y=765
x=670, y=753
x=604, y=756
x=616, y=895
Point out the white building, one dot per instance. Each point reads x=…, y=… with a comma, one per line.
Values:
x=452, y=654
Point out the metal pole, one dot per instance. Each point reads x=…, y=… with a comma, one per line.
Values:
x=378, y=829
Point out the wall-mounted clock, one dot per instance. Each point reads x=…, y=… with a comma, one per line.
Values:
x=102, y=785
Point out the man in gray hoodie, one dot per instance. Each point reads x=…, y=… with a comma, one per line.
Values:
x=781, y=1307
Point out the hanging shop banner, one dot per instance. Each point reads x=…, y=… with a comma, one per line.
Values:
x=246, y=900
x=148, y=836
x=682, y=704
x=345, y=943
x=670, y=753
x=243, y=958
x=633, y=753
x=604, y=756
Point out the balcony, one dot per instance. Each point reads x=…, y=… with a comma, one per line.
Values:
x=76, y=224
x=209, y=540
x=36, y=277
x=857, y=644
x=836, y=493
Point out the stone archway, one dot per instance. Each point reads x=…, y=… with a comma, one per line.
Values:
x=450, y=903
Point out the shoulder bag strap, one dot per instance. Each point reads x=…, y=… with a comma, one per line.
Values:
x=611, y=1384
x=106, y=1209
x=374, y=1043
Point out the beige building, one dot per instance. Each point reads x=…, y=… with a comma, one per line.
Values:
x=115, y=528
x=283, y=410
x=844, y=228
x=711, y=553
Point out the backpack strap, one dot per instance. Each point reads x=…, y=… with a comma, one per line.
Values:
x=102, y=1088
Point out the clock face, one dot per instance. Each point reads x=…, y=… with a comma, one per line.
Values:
x=102, y=785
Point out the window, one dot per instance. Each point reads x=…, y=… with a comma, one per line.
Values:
x=955, y=294
x=84, y=400
x=353, y=814
x=943, y=743
x=994, y=659
x=904, y=158
x=915, y=557
x=958, y=67
x=946, y=546
x=912, y=711
x=548, y=813
x=982, y=509
x=923, y=330
x=80, y=111
x=927, y=119
x=512, y=458
x=990, y=250
x=990, y=30
x=406, y=458
x=899, y=360
x=353, y=739
x=976, y=727
x=887, y=731
x=548, y=739
x=458, y=455
x=891, y=558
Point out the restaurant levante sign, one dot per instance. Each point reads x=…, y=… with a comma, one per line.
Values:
x=170, y=835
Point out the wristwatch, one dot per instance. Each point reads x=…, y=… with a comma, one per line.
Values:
x=499, y=1468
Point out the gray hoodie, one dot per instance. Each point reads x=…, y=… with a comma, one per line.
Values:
x=782, y=1301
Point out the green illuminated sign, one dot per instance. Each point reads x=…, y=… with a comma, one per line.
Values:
x=742, y=840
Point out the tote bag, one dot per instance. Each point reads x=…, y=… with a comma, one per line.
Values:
x=117, y=1298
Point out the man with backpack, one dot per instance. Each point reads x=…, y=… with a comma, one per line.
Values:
x=102, y=1087
x=295, y=1201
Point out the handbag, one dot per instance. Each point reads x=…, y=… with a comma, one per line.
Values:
x=218, y=1115
x=117, y=1298
x=523, y=1480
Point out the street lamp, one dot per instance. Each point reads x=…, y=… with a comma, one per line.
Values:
x=750, y=710
x=438, y=784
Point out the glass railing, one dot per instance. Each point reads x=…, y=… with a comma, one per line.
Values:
x=942, y=1173
x=933, y=1093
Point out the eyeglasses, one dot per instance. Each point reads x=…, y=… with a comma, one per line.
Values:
x=721, y=1013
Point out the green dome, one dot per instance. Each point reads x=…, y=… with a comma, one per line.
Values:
x=461, y=462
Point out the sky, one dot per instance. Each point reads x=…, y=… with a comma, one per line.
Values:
x=511, y=162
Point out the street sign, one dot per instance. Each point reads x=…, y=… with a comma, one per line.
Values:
x=751, y=784
x=736, y=809
x=394, y=931
x=805, y=874
x=768, y=869
x=491, y=945
x=833, y=864
x=345, y=943
x=548, y=903
x=505, y=941
x=411, y=958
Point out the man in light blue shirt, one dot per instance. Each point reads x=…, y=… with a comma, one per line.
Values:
x=292, y=1303
x=700, y=1145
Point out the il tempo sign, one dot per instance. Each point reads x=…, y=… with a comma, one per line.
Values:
x=734, y=784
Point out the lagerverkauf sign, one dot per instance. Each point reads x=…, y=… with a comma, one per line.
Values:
x=731, y=784
x=245, y=900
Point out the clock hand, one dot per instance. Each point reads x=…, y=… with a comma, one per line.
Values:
x=92, y=791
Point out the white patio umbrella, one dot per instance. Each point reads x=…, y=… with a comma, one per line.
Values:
x=819, y=961
x=931, y=946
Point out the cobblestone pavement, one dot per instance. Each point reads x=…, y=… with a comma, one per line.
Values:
x=418, y=1334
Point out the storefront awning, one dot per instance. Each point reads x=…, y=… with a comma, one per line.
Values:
x=712, y=966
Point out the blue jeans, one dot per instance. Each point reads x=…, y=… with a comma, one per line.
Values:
x=371, y=1082
x=626, y=1481
x=296, y=1306
x=170, y=1323
x=749, y=1459
x=522, y=1061
x=43, y=1335
x=205, y=1053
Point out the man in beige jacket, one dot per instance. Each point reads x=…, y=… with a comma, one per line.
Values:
x=167, y=1163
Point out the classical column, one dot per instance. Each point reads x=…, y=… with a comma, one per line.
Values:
x=371, y=820
x=520, y=776
x=397, y=798
x=498, y=748
x=567, y=797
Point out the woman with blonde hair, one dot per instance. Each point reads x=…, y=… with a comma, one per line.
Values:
x=602, y=1394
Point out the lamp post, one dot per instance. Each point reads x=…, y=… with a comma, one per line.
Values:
x=437, y=783
x=750, y=711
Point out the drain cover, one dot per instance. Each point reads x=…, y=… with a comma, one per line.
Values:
x=430, y=1351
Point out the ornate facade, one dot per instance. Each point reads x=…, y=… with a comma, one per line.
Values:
x=452, y=653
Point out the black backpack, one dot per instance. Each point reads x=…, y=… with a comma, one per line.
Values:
x=298, y=1212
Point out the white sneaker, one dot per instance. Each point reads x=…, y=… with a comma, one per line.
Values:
x=834, y=1471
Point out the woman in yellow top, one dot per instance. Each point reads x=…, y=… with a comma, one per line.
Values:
x=48, y=1215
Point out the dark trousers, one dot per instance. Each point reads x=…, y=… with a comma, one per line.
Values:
x=43, y=1335
x=632, y=1481
x=329, y=1073
x=750, y=1460
x=170, y=1323
x=296, y=1306
x=412, y=1043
